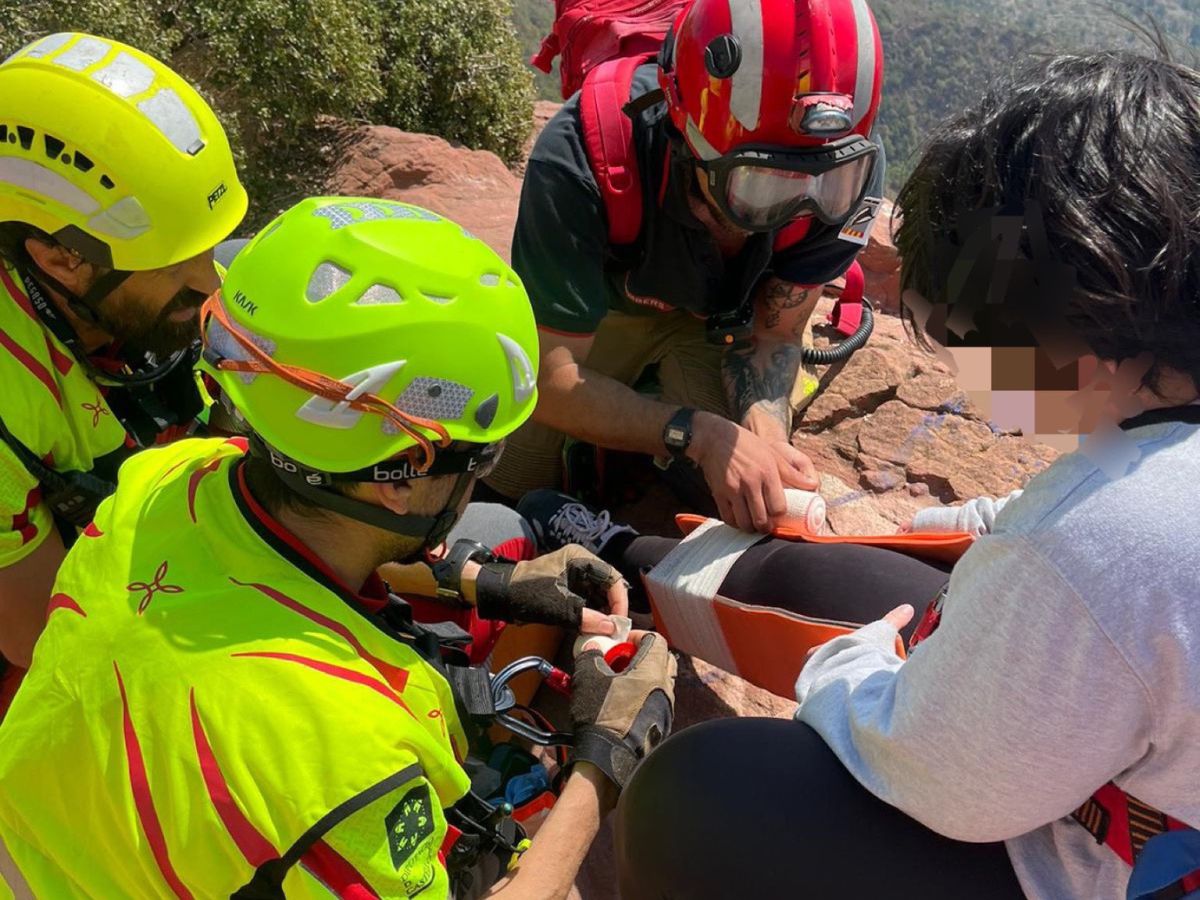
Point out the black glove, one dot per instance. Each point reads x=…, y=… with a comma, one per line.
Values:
x=552, y=589
x=620, y=718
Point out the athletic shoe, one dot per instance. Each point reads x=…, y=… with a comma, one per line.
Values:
x=559, y=519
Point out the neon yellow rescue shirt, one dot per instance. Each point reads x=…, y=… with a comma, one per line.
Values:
x=206, y=697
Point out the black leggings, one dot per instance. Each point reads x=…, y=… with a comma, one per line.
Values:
x=842, y=582
x=763, y=808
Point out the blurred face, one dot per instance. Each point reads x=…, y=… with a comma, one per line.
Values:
x=158, y=311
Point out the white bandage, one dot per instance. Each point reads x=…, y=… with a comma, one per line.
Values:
x=604, y=643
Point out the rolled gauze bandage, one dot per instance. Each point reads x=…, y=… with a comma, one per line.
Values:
x=603, y=643
x=805, y=510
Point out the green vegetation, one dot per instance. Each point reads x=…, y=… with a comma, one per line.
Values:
x=283, y=73
x=941, y=53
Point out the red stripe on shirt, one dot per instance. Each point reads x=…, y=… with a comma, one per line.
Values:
x=139, y=783
x=62, y=601
x=40, y=372
x=336, y=873
x=194, y=483
x=61, y=361
x=336, y=672
x=20, y=523
x=393, y=675
x=249, y=840
x=19, y=297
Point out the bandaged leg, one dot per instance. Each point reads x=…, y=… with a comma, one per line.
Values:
x=760, y=642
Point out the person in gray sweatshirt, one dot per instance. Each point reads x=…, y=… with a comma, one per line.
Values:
x=1047, y=730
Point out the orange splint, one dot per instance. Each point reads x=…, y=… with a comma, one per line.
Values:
x=761, y=643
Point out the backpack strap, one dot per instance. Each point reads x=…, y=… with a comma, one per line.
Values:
x=608, y=140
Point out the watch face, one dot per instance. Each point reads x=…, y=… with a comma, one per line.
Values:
x=676, y=435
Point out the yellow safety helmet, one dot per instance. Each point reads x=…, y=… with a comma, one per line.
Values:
x=113, y=154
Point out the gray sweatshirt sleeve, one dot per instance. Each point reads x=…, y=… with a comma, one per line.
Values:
x=1007, y=718
x=976, y=517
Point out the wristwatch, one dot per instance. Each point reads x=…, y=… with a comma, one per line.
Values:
x=447, y=571
x=677, y=434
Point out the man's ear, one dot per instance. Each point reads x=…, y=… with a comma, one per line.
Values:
x=67, y=268
x=392, y=496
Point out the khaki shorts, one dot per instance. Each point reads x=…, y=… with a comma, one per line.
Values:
x=689, y=369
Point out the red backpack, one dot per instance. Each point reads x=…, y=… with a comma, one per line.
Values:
x=601, y=44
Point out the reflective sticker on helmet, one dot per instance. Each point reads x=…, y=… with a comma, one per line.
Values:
x=174, y=120
x=340, y=414
x=378, y=295
x=39, y=180
x=125, y=219
x=45, y=46
x=700, y=146
x=87, y=52
x=745, y=98
x=218, y=338
x=340, y=215
x=125, y=76
x=327, y=278
x=489, y=279
x=522, y=369
x=432, y=398
x=436, y=298
x=864, y=83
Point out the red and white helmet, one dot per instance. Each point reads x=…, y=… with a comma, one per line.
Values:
x=779, y=77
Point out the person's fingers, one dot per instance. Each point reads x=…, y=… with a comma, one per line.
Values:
x=900, y=616
x=636, y=635
x=772, y=492
x=804, y=472
x=596, y=622
x=618, y=599
x=741, y=514
x=757, y=503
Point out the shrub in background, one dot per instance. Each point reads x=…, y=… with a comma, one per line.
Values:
x=283, y=75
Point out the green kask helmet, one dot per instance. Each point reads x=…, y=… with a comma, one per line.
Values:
x=352, y=311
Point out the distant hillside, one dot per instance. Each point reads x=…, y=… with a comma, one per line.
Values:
x=940, y=55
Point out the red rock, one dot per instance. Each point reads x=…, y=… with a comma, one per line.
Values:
x=932, y=391
x=881, y=263
x=543, y=112
x=472, y=187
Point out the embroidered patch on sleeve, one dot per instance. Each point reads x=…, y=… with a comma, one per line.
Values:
x=409, y=826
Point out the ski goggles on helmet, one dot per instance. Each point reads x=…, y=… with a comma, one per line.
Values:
x=765, y=188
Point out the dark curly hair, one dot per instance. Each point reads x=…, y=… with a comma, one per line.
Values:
x=1087, y=167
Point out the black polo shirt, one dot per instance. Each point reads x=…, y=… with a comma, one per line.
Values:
x=561, y=248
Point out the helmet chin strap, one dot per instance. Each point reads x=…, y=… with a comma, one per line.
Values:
x=431, y=530
x=87, y=306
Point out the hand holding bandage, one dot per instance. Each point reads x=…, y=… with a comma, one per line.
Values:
x=619, y=718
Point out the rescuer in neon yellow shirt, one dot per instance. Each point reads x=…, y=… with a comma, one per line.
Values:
x=225, y=700
x=116, y=182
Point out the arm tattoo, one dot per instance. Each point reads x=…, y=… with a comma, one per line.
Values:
x=778, y=296
x=760, y=378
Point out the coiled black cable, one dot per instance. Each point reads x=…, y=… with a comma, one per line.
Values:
x=847, y=348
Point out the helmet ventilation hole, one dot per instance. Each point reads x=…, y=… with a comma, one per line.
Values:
x=326, y=279
x=379, y=295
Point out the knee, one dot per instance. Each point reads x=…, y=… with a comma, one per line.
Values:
x=686, y=795
x=496, y=526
